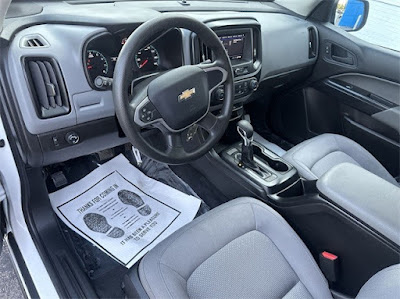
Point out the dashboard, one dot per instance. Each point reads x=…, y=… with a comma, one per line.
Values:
x=266, y=45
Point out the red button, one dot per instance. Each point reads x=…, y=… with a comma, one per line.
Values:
x=329, y=256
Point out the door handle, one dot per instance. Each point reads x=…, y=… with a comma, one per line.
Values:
x=347, y=60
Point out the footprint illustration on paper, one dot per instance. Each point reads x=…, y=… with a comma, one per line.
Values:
x=145, y=211
x=130, y=198
x=98, y=223
x=116, y=232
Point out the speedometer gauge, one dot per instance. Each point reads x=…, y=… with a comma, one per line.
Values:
x=96, y=64
x=147, y=59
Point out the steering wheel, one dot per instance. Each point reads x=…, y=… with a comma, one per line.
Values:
x=173, y=101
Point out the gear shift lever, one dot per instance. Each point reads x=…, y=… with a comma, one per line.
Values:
x=245, y=130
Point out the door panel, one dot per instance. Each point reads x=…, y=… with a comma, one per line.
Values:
x=375, y=87
x=363, y=80
x=369, y=59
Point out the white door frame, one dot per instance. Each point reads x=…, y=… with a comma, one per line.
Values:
x=17, y=225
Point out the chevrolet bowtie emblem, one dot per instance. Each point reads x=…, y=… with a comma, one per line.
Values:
x=186, y=94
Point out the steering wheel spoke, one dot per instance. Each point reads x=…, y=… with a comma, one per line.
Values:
x=216, y=74
x=174, y=144
x=142, y=111
x=210, y=123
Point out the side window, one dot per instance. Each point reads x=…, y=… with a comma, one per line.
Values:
x=375, y=21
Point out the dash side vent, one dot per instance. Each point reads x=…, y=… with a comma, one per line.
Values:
x=312, y=42
x=200, y=52
x=47, y=86
x=205, y=53
x=33, y=41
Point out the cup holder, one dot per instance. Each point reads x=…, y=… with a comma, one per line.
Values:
x=274, y=164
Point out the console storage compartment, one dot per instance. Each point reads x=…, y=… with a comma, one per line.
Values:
x=367, y=197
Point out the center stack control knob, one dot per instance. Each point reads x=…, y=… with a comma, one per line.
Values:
x=253, y=84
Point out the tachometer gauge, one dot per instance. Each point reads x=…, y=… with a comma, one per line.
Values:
x=147, y=59
x=96, y=64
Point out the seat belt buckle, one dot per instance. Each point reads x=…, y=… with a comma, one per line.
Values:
x=329, y=264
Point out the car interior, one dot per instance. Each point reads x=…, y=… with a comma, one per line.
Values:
x=286, y=126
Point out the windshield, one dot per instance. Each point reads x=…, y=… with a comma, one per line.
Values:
x=301, y=7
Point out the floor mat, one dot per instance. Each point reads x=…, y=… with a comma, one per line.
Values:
x=104, y=272
x=163, y=173
x=122, y=211
x=202, y=186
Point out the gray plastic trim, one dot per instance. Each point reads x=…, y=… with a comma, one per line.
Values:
x=3, y=11
x=390, y=117
x=93, y=105
x=25, y=39
x=85, y=147
x=385, y=89
x=284, y=48
x=65, y=45
x=284, y=38
x=284, y=44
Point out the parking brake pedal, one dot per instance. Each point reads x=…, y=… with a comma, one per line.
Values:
x=59, y=179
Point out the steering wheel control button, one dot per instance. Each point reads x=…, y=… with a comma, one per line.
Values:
x=220, y=94
x=148, y=113
x=148, y=116
x=72, y=138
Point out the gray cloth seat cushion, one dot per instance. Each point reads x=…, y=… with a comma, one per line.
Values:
x=314, y=157
x=384, y=285
x=241, y=249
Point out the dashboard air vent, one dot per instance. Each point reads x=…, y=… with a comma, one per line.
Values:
x=205, y=53
x=33, y=41
x=47, y=86
x=312, y=42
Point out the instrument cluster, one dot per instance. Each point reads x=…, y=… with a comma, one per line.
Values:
x=101, y=54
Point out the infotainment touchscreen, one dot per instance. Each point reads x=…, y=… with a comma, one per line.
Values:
x=233, y=44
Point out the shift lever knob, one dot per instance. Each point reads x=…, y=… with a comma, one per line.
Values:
x=245, y=130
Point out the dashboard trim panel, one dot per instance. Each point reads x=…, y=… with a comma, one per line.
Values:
x=67, y=38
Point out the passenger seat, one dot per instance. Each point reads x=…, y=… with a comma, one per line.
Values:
x=315, y=156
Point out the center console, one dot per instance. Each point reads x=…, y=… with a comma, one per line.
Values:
x=241, y=39
x=258, y=163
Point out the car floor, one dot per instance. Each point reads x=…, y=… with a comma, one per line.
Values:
x=105, y=274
